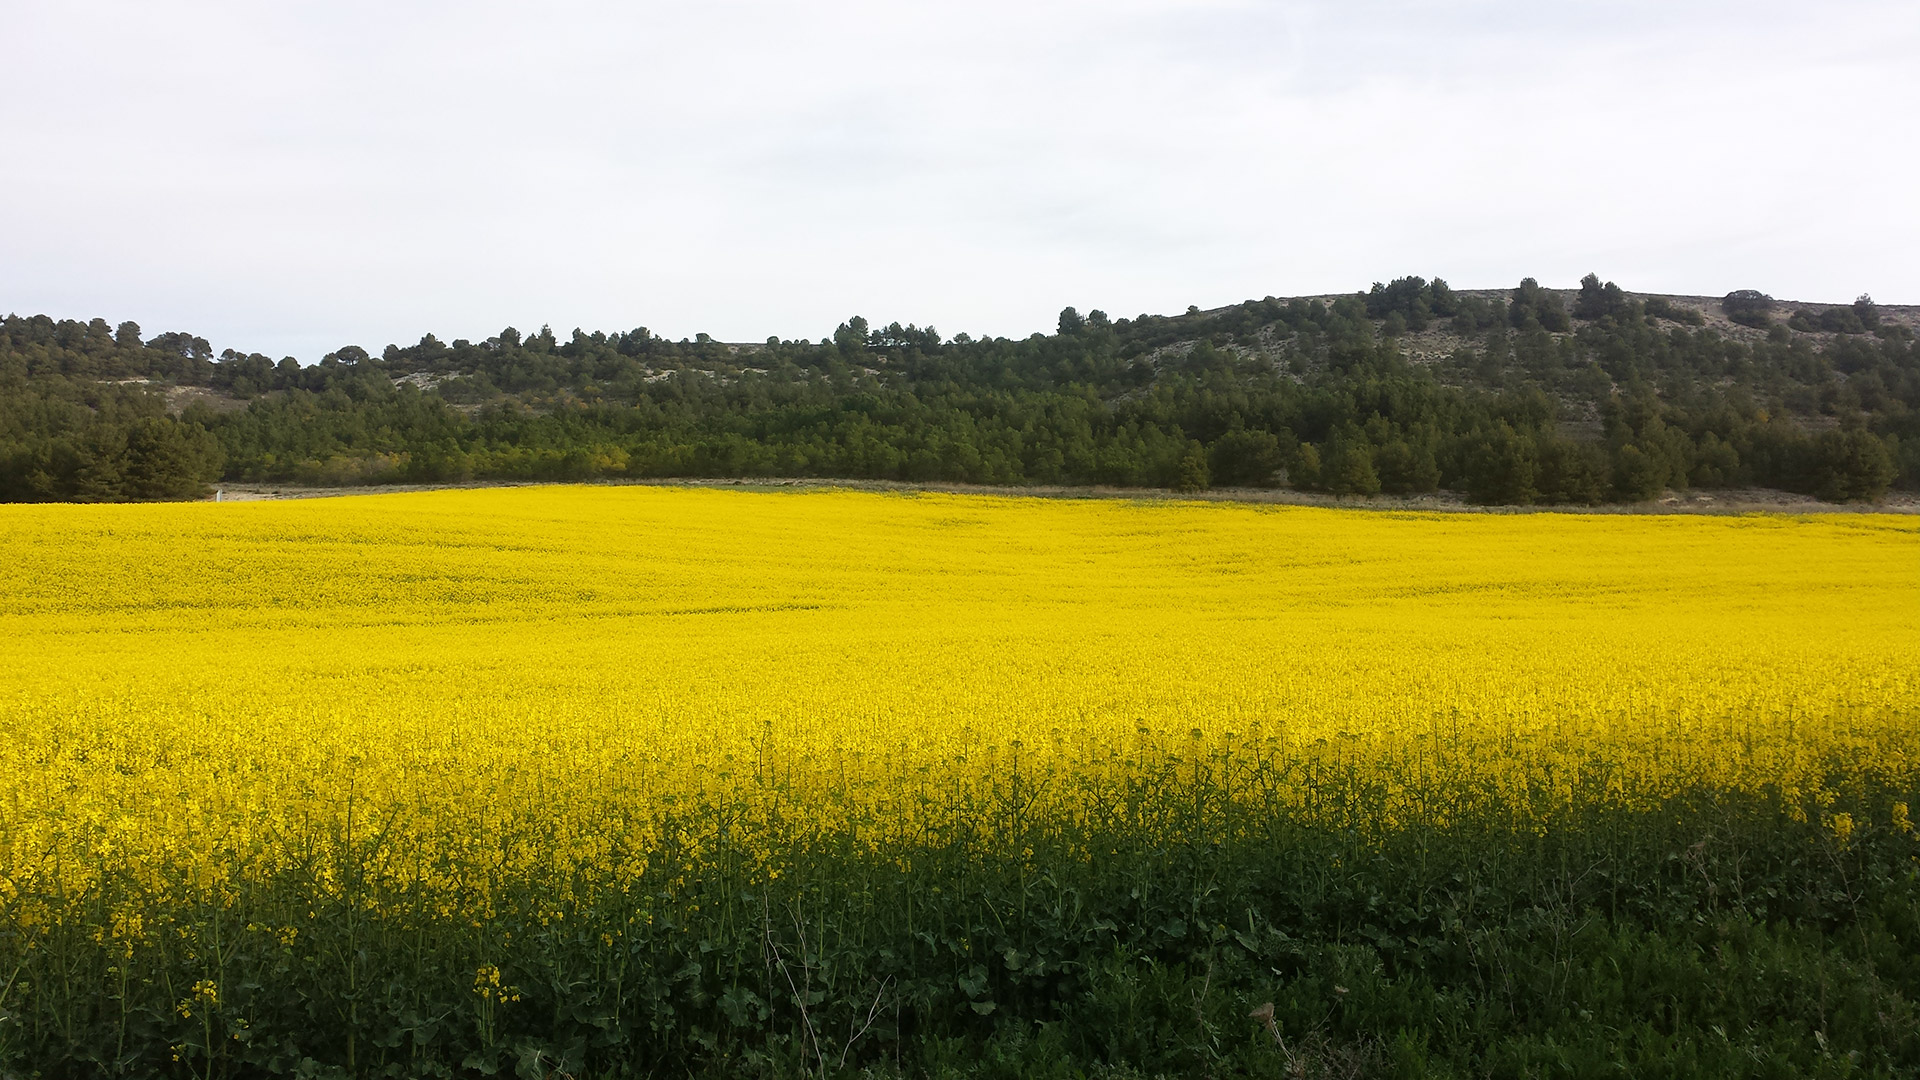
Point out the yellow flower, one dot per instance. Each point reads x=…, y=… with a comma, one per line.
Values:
x=1842, y=826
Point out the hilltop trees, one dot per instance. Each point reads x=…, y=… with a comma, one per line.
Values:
x=1533, y=307
x=1597, y=301
x=1414, y=300
x=1748, y=307
x=1621, y=398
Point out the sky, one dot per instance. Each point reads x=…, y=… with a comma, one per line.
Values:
x=290, y=177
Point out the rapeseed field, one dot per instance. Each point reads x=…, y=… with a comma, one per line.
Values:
x=640, y=781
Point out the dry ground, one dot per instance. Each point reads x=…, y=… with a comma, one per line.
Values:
x=1724, y=501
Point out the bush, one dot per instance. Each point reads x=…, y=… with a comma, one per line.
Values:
x=1243, y=458
x=1416, y=300
x=1405, y=469
x=1472, y=315
x=1349, y=468
x=1659, y=307
x=1597, y=301
x=1748, y=307
x=169, y=460
x=1851, y=465
x=1571, y=473
x=1637, y=475
x=1500, y=466
x=1193, y=469
x=1534, y=306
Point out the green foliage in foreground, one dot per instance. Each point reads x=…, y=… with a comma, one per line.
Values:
x=1618, y=399
x=1710, y=936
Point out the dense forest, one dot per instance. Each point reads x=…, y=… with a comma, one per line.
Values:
x=1530, y=396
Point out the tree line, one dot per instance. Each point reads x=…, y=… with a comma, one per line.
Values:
x=1530, y=400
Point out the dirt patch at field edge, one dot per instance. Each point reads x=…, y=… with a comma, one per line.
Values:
x=1728, y=501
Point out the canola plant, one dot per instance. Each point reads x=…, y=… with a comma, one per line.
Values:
x=384, y=783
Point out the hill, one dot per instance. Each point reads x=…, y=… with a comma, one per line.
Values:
x=1521, y=396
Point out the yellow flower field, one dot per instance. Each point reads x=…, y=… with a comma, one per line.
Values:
x=227, y=677
x=413, y=733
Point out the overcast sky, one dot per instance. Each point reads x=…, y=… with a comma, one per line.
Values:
x=291, y=177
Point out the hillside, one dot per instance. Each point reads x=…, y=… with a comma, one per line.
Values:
x=1521, y=396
